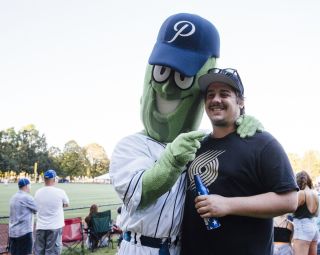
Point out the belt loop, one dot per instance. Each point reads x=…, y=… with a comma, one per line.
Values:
x=135, y=238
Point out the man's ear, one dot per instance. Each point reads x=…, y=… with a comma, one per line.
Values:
x=240, y=103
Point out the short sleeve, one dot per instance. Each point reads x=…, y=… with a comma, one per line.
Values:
x=276, y=171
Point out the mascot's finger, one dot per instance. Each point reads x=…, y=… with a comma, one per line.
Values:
x=197, y=144
x=239, y=130
x=245, y=131
x=192, y=157
x=239, y=120
x=242, y=135
x=260, y=128
x=251, y=132
x=199, y=135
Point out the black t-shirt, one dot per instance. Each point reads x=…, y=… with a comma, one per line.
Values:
x=235, y=167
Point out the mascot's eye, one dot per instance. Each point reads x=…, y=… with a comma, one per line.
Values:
x=161, y=73
x=182, y=81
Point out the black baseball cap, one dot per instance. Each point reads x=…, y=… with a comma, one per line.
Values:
x=228, y=76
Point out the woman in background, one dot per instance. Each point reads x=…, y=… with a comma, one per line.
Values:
x=93, y=242
x=305, y=236
x=283, y=232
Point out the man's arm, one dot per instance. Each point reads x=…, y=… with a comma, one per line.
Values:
x=65, y=200
x=30, y=203
x=265, y=205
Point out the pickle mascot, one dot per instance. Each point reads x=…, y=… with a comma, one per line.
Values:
x=148, y=168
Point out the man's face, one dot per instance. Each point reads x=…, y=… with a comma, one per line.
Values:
x=171, y=103
x=222, y=105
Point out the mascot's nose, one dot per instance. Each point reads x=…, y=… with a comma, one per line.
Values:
x=169, y=87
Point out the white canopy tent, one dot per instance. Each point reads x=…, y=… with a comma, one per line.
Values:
x=105, y=178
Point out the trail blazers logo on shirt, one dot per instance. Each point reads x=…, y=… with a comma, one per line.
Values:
x=206, y=165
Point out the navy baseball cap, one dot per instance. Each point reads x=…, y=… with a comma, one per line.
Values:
x=23, y=182
x=185, y=42
x=49, y=174
x=228, y=76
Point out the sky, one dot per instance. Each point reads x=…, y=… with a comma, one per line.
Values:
x=75, y=68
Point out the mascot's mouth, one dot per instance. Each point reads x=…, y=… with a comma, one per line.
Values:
x=166, y=106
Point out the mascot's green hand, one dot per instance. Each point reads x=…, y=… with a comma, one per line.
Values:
x=248, y=126
x=162, y=176
x=185, y=146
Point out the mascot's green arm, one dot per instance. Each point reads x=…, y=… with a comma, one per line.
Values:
x=163, y=175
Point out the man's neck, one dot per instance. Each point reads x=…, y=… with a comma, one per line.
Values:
x=220, y=132
x=49, y=183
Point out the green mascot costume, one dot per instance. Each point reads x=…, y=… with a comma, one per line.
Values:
x=148, y=168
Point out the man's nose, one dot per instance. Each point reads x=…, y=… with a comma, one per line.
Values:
x=216, y=98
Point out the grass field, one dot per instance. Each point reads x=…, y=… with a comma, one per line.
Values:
x=80, y=195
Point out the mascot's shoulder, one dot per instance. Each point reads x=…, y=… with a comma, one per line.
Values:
x=135, y=139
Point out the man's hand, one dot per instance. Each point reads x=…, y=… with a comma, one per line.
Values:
x=185, y=146
x=212, y=206
x=248, y=126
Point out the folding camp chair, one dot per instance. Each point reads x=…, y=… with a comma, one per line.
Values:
x=72, y=234
x=99, y=234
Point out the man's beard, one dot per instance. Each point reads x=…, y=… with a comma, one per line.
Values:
x=220, y=123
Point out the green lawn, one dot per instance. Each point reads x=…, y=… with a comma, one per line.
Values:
x=99, y=251
x=80, y=195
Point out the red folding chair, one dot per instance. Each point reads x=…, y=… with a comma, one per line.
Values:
x=72, y=234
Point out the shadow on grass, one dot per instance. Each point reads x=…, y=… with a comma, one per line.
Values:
x=99, y=251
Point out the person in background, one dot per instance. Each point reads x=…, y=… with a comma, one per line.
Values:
x=22, y=208
x=50, y=202
x=93, y=209
x=283, y=231
x=306, y=233
x=250, y=180
x=94, y=240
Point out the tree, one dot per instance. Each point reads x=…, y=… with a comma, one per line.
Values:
x=20, y=150
x=73, y=161
x=97, y=157
x=310, y=163
x=32, y=147
x=55, y=156
x=8, y=150
x=295, y=161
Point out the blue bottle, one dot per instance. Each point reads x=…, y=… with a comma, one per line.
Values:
x=211, y=223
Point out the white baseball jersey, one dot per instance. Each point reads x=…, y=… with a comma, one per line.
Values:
x=132, y=156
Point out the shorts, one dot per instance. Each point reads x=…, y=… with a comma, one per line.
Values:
x=305, y=229
x=282, y=249
x=21, y=245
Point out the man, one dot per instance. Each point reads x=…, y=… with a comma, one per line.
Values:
x=147, y=168
x=22, y=208
x=250, y=180
x=50, y=217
